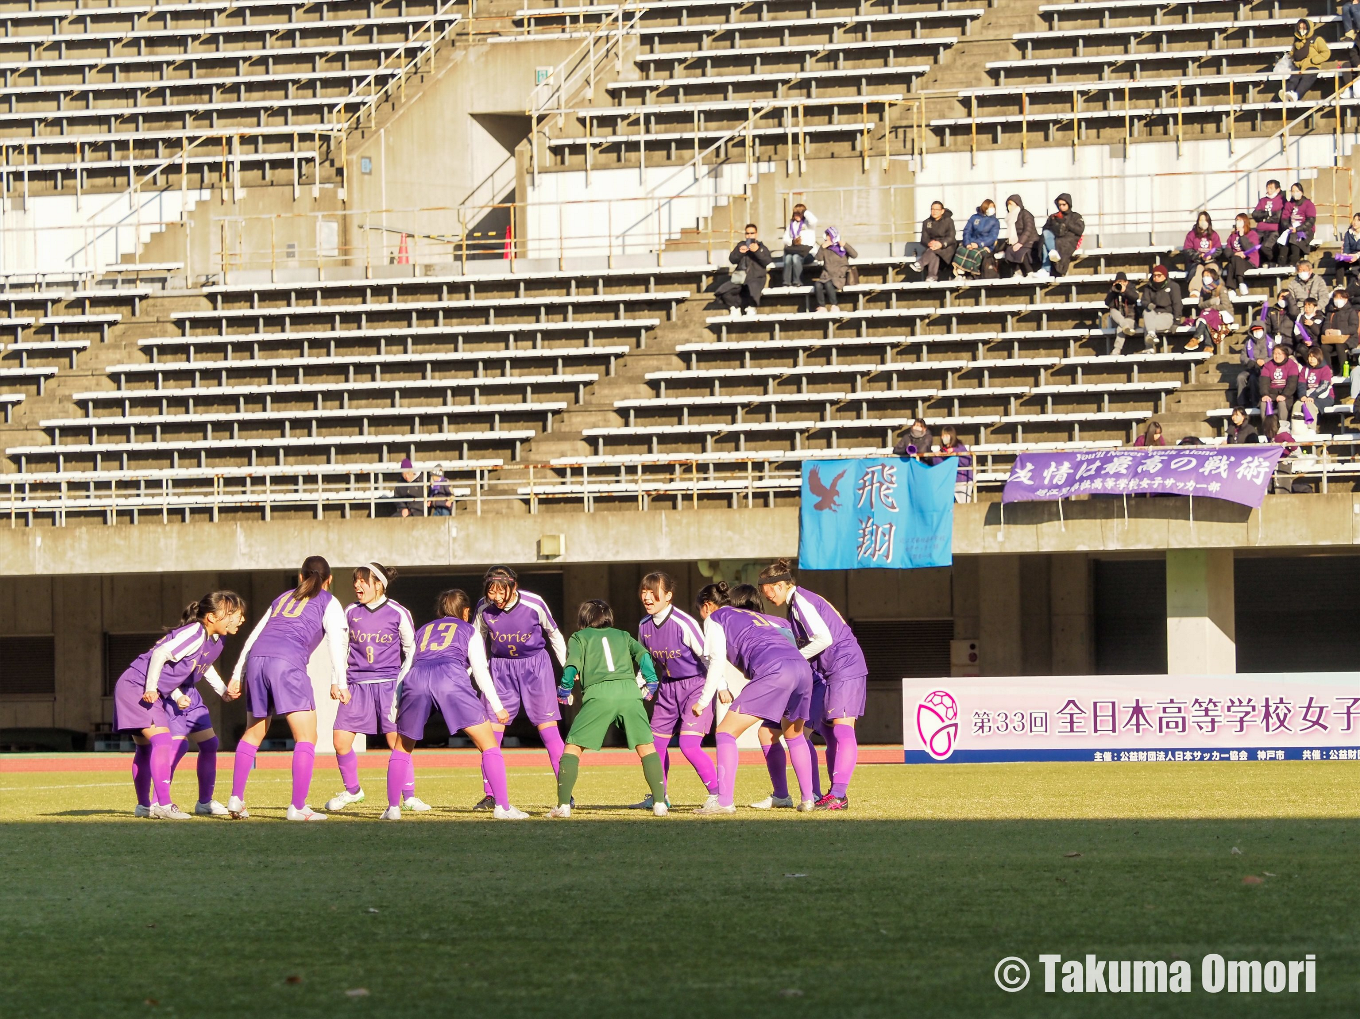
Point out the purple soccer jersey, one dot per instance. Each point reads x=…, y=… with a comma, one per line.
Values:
x=754, y=644
x=375, y=641
x=444, y=643
x=192, y=651
x=518, y=631
x=672, y=643
x=844, y=658
x=294, y=629
x=439, y=678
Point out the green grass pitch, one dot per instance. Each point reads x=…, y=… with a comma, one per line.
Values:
x=900, y=908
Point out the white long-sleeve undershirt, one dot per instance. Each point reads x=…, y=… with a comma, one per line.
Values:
x=715, y=643
x=163, y=654
x=819, y=632
x=481, y=674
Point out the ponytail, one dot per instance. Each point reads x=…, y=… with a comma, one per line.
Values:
x=712, y=594
x=780, y=569
x=313, y=575
x=218, y=602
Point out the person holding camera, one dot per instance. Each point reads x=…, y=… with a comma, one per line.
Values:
x=747, y=280
x=1123, y=304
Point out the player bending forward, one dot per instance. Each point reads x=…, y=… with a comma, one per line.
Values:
x=608, y=663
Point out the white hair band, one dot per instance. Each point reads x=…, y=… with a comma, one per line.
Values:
x=378, y=574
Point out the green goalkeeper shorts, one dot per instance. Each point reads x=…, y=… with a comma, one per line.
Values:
x=603, y=707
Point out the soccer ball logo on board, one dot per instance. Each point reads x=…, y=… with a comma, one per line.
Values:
x=937, y=722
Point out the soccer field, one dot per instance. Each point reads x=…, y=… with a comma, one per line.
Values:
x=901, y=907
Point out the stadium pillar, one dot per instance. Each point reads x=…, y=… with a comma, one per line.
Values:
x=1201, y=631
x=1000, y=619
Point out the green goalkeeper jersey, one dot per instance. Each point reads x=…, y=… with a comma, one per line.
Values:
x=603, y=655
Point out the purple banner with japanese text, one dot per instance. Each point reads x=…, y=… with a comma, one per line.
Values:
x=1244, y=717
x=1239, y=474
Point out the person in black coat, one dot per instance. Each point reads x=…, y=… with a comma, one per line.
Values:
x=1240, y=431
x=939, y=240
x=1122, y=300
x=1160, y=300
x=750, y=257
x=1015, y=246
x=1062, y=235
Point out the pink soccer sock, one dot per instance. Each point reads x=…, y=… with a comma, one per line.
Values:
x=304, y=758
x=162, y=753
x=663, y=744
x=553, y=743
x=141, y=774
x=181, y=748
x=777, y=763
x=847, y=754
x=207, y=769
x=240, y=769
x=486, y=782
x=802, y=764
x=349, y=770
x=691, y=745
x=493, y=767
x=727, y=767
x=398, y=767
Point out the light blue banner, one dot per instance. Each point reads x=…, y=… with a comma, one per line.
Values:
x=888, y=513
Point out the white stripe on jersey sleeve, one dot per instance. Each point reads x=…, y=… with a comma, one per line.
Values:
x=406, y=631
x=549, y=625
x=189, y=643
x=819, y=632
x=694, y=638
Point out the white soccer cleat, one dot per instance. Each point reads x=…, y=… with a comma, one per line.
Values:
x=391, y=814
x=416, y=804
x=806, y=806
x=562, y=810
x=643, y=804
x=510, y=814
x=141, y=811
x=715, y=809
x=236, y=807
x=712, y=800
x=770, y=802
x=660, y=810
x=306, y=813
x=211, y=809
x=170, y=812
x=343, y=799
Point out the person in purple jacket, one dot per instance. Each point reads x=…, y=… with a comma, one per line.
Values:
x=675, y=641
x=381, y=642
x=778, y=689
x=840, y=674
x=1241, y=254
x=1298, y=223
x=446, y=650
x=518, y=627
x=1200, y=250
x=272, y=670
x=1267, y=218
x=156, y=700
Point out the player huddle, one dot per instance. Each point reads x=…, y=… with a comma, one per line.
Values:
x=480, y=667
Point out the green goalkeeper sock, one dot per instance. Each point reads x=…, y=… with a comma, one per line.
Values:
x=656, y=777
x=567, y=769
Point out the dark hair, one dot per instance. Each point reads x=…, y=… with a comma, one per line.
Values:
x=1275, y=182
x=657, y=583
x=751, y=226
x=1314, y=351
x=1208, y=217
x=364, y=573
x=937, y=202
x=213, y=601
x=1304, y=261
x=1190, y=440
x=711, y=594
x=780, y=569
x=953, y=435
x=312, y=577
x=499, y=575
x=453, y=602
x=1239, y=410
x=745, y=596
x=594, y=615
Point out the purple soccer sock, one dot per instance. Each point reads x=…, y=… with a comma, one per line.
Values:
x=398, y=767
x=663, y=744
x=349, y=770
x=304, y=759
x=409, y=786
x=727, y=767
x=802, y=764
x=181, y=748
x=553, y=743
x=493, y=767
x=816, y=771
x=847, y=753
x=691, y=745
x=141, y=774
x=162, y=753
x=777, y=764
x=832, y=749
x=240, y=768
x=207, y=769
x=486, y=782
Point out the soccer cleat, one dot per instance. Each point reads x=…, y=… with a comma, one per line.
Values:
x=644, y=804
x=487, y=802
x=660, y=810
x=561, y=810
x=169, y=812
x=211, y=808
x=416, y=804
x=305, y=813
x=770, y=802
x=343, y=799
x=712, y=800
x=716, y=809
x=236, y=807
x=141, y=811
x=509, y=814
x=830, y=802
x=390, y=814
x=806, y=806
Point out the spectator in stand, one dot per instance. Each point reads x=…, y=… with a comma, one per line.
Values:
x=1061, y=237
x=1152, y=435
x=1309, y=54
x=974, y=257
x=1160, y=300
x=1200, y=251
x=1016, y=247
x=1315, y=386
x=1305, y=284
x=939, y=241
x=747, y=282
x=1214, y=319
x=1279, y=387
x=1307, y=328
x=1189, y=440
x=1122, y=300
x=410, y=496
x=1340, y=329
x=1241, y=254
x=1267, y=217
x=441, y=494
x=1298, y=222
x=835, y=274
x=1279, y=320
x=1348, y=261
x=1350, y=18
x=1240, y=431
x=800, y=241
x=950, y=446
x=1255, y=353
x=915, y=441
